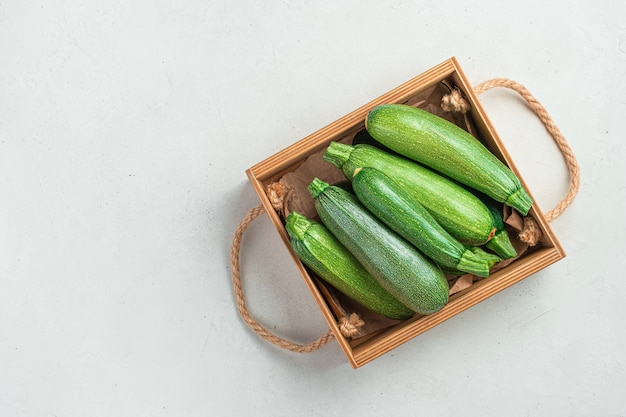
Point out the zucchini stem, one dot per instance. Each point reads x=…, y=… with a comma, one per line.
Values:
x=471, y=263
x=297, y=225
x=316, y=187
x=520, y=200
x=490, y=258
x=337, y=153
x=501, y=245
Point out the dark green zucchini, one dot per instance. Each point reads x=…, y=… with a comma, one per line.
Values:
x=410, y=276
x=456, y=209
x=388, y=201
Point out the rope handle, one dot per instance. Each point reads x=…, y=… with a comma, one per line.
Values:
x=455, y=102
x=252, y=214
x=451, y=102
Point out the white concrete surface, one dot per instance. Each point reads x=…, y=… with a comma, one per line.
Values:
x=125, y=131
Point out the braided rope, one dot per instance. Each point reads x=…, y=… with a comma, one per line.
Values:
x=252, y=214
x=542, y=113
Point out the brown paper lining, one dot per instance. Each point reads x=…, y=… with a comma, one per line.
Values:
x=291, y=194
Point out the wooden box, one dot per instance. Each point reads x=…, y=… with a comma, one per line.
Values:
x=361, y=350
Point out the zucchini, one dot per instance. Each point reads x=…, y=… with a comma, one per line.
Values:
x=446, y=148
x=382, y=196
x=411, y=277
x=456, y=209
x=320, y=250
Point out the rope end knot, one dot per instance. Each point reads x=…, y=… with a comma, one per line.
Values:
x=454, y=102
x=277, y=193
x=531, y=232
x=350, y=326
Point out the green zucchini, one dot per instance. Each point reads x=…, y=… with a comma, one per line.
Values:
x=320, y=250
x=446, y=148
x=456, y=209
x=388, y=201
x=411, y=277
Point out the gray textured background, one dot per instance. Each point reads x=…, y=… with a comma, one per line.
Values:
x=125, y=131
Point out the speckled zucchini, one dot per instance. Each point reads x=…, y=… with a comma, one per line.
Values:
x=446, y=148
x=320, y=250
x=456, y=209
x=411, y=277
x=388, y=201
